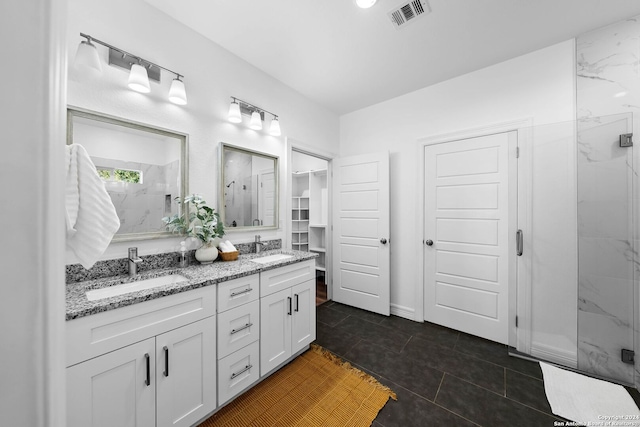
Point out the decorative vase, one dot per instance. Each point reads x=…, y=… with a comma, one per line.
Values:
x=207, y=253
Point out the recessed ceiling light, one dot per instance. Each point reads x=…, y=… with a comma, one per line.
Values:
x=365, y=4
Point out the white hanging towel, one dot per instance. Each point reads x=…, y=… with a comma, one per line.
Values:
x=90, y=215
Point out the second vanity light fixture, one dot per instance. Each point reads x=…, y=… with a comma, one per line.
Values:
x=140, y=72
x=239, y=107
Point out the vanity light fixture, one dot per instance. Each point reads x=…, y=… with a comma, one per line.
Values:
x=365, y=4
x=141, y=70
x=274, y=129
x=177, y=92
x=256, y=121
x=234, y=112
x=139, y=79
x=239, y=107
x=87, y=56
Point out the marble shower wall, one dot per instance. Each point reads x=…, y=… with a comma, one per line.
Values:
x=608, y=103
x=141, y=207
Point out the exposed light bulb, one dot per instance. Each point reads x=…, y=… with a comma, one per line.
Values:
x=256, y=121
x=177, y=92
x=234, y=113
x=365, y=4
x=274, y=129
x=139, y=79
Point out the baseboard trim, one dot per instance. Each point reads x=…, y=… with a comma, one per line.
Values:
x=406, y=312
x=554, y=355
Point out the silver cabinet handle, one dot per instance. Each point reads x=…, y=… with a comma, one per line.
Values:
x=235, y=294
x=242, y=328
x=519, y=242
x=242, y=371
x=383, y=241
x=428, y=242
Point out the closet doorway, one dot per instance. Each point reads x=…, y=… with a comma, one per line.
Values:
x=310, y=228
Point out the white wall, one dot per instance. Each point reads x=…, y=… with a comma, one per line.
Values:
x=212, y=75
x=32, y=292
x=540, y=87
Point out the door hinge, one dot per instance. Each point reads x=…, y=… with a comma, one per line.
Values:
x=516, y=321
x=627, y=356
x=517, y=152
x=626, y=140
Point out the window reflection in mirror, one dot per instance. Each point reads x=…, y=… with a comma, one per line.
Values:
x=248, y=188
x=143, y=168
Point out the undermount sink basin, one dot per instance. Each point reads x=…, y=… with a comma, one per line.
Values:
x=272, y=258
x=140, y=285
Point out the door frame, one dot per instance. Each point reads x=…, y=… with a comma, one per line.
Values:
x=520, y=288
x=295, y=145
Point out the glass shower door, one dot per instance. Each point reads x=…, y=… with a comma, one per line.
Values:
x=607, y=248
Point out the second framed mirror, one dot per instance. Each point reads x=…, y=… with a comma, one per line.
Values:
x=249, y=188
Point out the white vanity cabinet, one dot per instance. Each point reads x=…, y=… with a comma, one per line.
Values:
x=238, y=336
x=166, y=379
x=287, y=313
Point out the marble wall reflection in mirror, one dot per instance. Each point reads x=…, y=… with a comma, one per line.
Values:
x=144, y=169
x=248, y=188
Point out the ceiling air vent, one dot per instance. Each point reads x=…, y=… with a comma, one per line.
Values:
x=408, y=12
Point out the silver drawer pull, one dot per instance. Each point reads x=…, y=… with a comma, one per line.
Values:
x=235, y=331
x=246, y=368
x=235, y=294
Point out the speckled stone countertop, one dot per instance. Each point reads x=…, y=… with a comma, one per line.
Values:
x=199, y=276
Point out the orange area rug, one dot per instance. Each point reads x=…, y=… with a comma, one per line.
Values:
x=315, y=389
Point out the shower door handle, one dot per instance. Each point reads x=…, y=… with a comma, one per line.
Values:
x=519, y=242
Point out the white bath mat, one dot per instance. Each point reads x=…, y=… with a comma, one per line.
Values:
x=587, y=400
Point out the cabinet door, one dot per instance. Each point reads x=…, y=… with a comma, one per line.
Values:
x=186, y=373
x=275, y=330
x=112, y=390
x=303, y=328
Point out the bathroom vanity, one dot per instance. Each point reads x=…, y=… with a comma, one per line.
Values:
x=171, y=352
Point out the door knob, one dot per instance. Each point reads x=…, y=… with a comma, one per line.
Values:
x=383, y=241
x=428, y=242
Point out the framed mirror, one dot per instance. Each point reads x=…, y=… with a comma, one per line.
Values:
x=249, y=188
x=144, y=169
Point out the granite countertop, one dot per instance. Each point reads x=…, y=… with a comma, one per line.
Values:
x=199, y=276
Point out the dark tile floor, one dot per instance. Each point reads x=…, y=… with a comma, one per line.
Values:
x=442, y=377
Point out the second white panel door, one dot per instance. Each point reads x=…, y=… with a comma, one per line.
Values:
x=469, y=233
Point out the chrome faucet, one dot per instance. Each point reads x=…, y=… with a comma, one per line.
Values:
x=134, y=260
x=259, y=244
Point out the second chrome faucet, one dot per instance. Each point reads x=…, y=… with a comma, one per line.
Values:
x=259, y=244
x=134, y=260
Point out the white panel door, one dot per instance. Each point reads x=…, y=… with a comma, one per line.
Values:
x=361, y=229
x=186, y=373
x=267, y=201
x=470, y=230
x=116, y=389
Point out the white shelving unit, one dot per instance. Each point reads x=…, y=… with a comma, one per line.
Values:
x=310, y=214
x=300, y=212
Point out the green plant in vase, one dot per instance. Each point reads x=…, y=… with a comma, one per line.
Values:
x=200, y=221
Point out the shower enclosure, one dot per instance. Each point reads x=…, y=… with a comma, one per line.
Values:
x=577, y=292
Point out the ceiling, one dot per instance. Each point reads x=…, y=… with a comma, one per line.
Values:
x=346, y=58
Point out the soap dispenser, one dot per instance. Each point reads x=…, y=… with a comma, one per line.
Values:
x=183, y=261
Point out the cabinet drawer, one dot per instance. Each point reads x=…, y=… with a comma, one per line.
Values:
x=238, y=327
x=237, y=372
x=101, y=333
x=275, y=280
x=236, y=292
